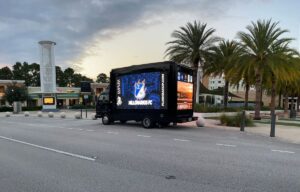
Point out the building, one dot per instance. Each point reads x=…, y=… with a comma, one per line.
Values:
x=66, y=96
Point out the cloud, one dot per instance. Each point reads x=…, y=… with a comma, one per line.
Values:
x=78, y=25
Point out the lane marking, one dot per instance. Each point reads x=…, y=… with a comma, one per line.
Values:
x=225, y=145
x=90, y=130
x=49, y=149
x=80, y=129
x=144, y=136
x=281, y=151
x=184, y=140
x=110, y=132
x=70, y=128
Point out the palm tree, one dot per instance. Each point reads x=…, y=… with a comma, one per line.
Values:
x=190, y=46
x=221, y=59
x=282, y=67
x=261, y=37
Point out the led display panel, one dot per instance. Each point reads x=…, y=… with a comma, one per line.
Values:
x=184, y=91
x=142, y=91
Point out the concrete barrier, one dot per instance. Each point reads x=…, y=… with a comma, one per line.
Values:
x=26, y=114
x=200, y=122
x=51, y=114
x=77, y=116
x=93, y=116
x=40, y=114
x=7, y=114
x=62, y=115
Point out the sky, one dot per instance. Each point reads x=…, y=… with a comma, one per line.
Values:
x=95, y=36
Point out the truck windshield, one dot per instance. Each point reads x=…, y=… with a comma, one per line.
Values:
x=103, y=96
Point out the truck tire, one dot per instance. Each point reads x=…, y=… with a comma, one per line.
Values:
x=106, y=119
x=147, y=122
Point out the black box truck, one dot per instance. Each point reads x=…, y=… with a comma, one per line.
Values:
x=154, y=94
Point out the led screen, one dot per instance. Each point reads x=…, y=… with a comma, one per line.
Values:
x=48, y=100
x=142, y=91
x=184, y=91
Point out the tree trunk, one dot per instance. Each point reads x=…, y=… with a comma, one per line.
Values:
x=286, y=102
x=257, y=94
x=199, y=78
x=298, y=103
x=273, y=95
x=292, y=103
x=226, y=87
x=246, y=95
x=195, y=85
x=279, y=98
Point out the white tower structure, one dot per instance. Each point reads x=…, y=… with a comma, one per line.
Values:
x=48, y=75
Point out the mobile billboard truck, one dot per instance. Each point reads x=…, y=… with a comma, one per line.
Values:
x=154, y=94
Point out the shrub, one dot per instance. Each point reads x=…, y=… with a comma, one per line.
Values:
x=5, y=108
x=235, y=121
x=214, y=108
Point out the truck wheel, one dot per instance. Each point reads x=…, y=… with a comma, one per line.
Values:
x=106, y=120
x=147, y=123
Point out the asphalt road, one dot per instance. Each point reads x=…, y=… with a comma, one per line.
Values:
x=43, y=154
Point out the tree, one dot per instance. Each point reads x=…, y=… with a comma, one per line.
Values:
x=6, y=73
x=221, y=59
x=15, y=93
x=259, y=40
x=102, y=78
x=190, y=46
x=60, y=79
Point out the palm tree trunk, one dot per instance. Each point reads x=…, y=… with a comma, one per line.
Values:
x=298, y=103
x=279, y=98
x=273, y=95
x=292, y=103
x=246, y=95
x=258, y=80
x=226, y=93
x=286, y=102
x=195, y=71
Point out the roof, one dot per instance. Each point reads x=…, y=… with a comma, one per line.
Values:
x=157, y=65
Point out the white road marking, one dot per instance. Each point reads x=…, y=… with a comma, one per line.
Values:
x=110, y=132
x=90, y=130
x=225, y=145
x=70, y=128
x=144, y=136
x=280, y=151
x=181, y=140
x=49, y=149
x=79, y=129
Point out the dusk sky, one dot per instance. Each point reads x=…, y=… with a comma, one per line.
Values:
x=98, y=35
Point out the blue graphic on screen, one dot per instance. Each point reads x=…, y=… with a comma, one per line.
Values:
x=139, y=91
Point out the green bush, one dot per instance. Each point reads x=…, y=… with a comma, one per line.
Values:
x=37, y=108
x=235, y=121
x=80, y=106
x=5, y=109
x=213, y=108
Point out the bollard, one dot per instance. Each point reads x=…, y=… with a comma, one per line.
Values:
x=50, y=114
x=86, y=113
x=80, y=113
x=77, y=116
x=7, y=114
x=40, y=114
x=273, y=122
x=62, y=115
x=243, y=121
x=26, y=114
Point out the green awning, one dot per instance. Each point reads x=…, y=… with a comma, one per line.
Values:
x=68, y=96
